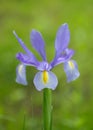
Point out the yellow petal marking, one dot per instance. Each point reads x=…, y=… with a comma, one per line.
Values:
x=71, y=64
x=20, y=69
x=45, y=76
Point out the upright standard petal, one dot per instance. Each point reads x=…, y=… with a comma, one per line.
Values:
x=62, y=39
x=45, y=79
x=22, y=44
x=21, y=74
x=71, y=70
x=38, y=43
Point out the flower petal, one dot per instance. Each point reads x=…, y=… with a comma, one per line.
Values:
x=71, y=70
x=45, y=80
x=65, y=56
x=31, y=56
x=27, y=60
x=62, y=39
x=44, y=66
x=21, y=74
x=38, y=43
x=22, y=44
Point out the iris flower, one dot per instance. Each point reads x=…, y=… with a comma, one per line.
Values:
x=45, y=78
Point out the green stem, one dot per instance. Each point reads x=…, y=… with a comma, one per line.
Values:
x=47, y=109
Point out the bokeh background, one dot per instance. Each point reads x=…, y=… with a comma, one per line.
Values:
x=73, y=102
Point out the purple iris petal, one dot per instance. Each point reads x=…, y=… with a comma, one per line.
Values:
x=65, y=56
x=44, y=66
x=38, y=43
x=21, y=74
x=29, y=55
x=71, y=70
x=27, y=60
x=22, y=44
x=51, y=81
x=62, y=39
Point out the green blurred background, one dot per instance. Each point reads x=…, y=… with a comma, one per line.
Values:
x=73, y=102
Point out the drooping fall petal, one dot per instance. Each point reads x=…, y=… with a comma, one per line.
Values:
x=45, y=79
x=21, y=74
x=71, y=70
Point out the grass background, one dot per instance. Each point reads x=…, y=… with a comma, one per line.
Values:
x=73, y=102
